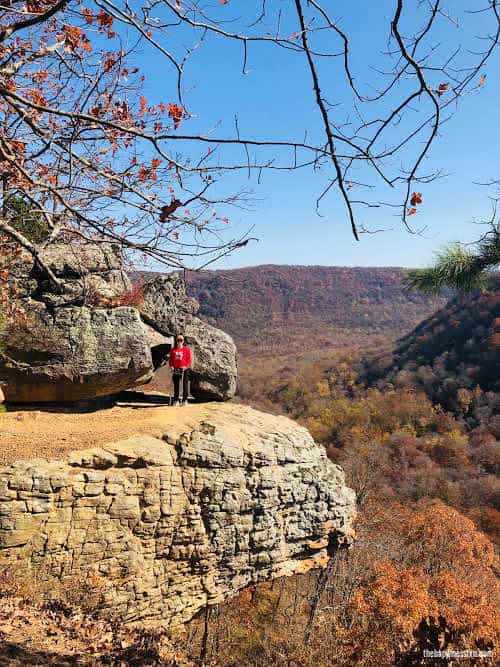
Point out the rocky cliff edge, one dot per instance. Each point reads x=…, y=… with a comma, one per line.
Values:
x=176, y=523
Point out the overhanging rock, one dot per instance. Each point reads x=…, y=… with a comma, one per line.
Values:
x=167, y=307
x=82, y=342
x=175, y=524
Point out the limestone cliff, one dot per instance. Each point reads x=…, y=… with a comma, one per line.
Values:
x=175, y=523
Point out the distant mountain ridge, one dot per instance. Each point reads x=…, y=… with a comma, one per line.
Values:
x=285, y=319
x=243, y=301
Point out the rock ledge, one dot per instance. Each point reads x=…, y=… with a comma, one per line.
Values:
x=98, y=337
x=176, y=523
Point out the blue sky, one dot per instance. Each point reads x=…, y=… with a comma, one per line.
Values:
x=275, y=99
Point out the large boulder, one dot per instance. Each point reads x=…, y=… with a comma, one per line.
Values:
x=79, y=341
x=77, y=353
x=68, y=347
x=87, y=273
x=167, y=308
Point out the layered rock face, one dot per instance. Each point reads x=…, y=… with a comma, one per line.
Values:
x=75, y=346
x=174, y=524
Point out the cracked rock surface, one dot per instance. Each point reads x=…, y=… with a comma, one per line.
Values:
x=175, y=523
x=75, y=346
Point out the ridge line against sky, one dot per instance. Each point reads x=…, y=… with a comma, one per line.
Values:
x=274, y=265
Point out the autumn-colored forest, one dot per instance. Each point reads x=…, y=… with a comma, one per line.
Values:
x=410, y=410
x=305, y=317
x=415, y=427
x=112, y=129
x=413, y=420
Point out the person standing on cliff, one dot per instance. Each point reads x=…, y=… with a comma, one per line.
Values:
x=180, y=362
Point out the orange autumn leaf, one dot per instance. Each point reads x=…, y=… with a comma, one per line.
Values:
x=110, y=62
x=412, y=211
x=416, y=198
x=74, y=38
x=442, y=88
x=167, y=210
x=143, y=174
x=482, y=79
x=88, y=15
x=175, y=112
x=104, y=19
x=105, y=23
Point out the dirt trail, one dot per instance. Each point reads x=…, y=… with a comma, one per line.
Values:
x=51, y=432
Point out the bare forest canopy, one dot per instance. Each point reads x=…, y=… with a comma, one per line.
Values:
x=96, y=155
x=249, y=302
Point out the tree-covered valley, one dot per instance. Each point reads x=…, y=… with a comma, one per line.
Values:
x=413, y=419
x=291, y=462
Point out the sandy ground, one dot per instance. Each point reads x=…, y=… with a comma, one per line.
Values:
x=50, y=432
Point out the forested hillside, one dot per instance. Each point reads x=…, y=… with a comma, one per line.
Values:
x=301, y=321
x=454, y=356
x=409, y=410
x=141, y=530
x=416, y=432
x=286, y=318
x=248, y=302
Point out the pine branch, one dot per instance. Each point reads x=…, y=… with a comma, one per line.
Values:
x=459, y=268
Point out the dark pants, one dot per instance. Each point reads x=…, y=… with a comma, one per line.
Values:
x=178, y=375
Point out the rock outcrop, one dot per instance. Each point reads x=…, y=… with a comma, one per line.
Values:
x=167, y=307
x=177, y=523
x=84, y=339
x=78, y=353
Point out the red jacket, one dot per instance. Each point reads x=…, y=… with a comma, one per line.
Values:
x=180, y=357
